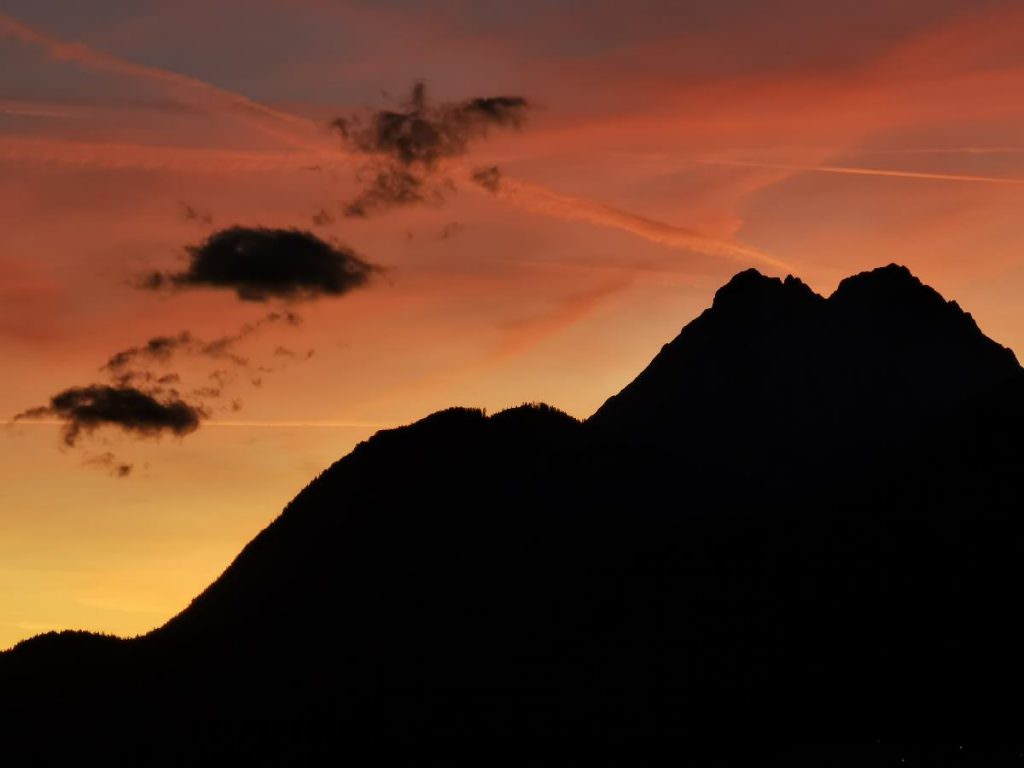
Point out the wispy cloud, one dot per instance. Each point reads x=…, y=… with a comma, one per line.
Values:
x=538, y=199
x=884, y=172
x=156, y=157
x=523, y=334
x=284, y=126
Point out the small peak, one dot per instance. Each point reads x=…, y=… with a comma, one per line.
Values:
x=751, y=287
x=748, y=277
x=533, y=414
x=890, y=281
x=795, y=282
x=893, y=291
x=894, y=271
x=743, y=285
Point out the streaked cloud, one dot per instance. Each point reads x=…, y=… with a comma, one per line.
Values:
x=538, y=199
x=286, y=127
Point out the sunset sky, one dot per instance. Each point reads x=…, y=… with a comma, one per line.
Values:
x=663, y=146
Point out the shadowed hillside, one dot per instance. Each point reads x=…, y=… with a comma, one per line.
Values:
x=795, y=538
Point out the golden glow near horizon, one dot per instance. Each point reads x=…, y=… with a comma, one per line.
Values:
x=660, y=158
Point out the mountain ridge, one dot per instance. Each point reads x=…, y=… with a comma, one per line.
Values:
x=783, y=509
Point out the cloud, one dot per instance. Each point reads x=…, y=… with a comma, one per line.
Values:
x=157, y=157
x=537, y=199
x=110, y=462
x=287, y=128
x=158, y=348
x=130, y=365
x=322, y=218
x=133, y=366
x=194, y=214
x=390, y=187
x=488, y=178
x=144, y=401
x=422, y=135
x=450, y=230
x=84, y=409
x=260, y=263
x=405, y=148
x=523, y=334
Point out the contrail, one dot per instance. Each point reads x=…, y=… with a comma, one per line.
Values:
x=854, y=171
x=273, y=121
x=116, y=156
x=538, y=199
x=40, y=109
x=530, y=197
x=210, y=97
x=947, y=151
x=525, y=334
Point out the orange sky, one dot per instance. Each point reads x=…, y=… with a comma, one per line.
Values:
x=669, y=145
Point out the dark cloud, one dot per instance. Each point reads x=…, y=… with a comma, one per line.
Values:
x=290, y=353
x=140, y=378
x=194, y=214
x=322, y=218
x=133, y=366
x=421, y=135
x=84, y=409
x=110, y=462
x=405, y=147
x=450, y=230
x=144, y=402
x=258, y=264
x=220, y=349
x=129, y=366
x=158, y=348
x=390, y=187
x=488, y=178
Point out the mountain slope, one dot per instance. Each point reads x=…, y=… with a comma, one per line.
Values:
x=801, y=523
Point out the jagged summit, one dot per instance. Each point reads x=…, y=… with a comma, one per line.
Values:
x=891, y=281
x=808, y=382
x=750, y=288
x=882, y=313
x=894, y=294
x=893, y=285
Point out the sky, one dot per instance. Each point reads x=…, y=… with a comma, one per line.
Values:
x=641, y=154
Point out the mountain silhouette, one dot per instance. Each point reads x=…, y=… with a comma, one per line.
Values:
x=776, y=390
x=795, y=538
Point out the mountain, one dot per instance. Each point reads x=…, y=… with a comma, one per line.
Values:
x=783, y=391
x=795, y=538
